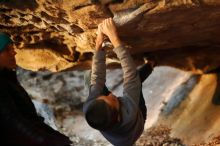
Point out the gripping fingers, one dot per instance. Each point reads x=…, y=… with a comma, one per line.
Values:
x=109, y=21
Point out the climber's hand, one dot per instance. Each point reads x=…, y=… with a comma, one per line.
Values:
x=109, y=29
x=99, y=39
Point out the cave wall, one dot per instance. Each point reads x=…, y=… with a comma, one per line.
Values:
x=195, y=119
x=59, y=35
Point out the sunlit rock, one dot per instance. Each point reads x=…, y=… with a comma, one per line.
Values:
x=59, y=35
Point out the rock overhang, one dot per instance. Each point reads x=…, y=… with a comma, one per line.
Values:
x=59, y=35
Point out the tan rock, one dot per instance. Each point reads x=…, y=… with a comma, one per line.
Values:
x=185, y=29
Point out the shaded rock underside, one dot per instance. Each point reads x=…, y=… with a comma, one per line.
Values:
x=59, y=35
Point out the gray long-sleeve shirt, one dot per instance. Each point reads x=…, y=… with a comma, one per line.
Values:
x=132, y=121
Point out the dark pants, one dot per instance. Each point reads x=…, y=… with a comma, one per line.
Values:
x=144, y=71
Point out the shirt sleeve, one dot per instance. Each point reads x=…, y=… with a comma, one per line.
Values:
x=131, y=83
x=98, y=76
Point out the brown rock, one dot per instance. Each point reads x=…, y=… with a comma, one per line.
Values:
x=187, y=31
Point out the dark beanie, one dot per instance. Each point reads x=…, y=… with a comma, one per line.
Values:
x=4, y=41
x=99, y=115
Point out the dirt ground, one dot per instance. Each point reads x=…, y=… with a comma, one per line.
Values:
x=160, y=136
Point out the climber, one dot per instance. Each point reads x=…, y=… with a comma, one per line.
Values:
x=19, y=122
x=120, y=119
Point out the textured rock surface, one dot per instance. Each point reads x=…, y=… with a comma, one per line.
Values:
x=59, y=34
x=198, y=113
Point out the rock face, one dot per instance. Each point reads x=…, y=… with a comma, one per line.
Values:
x=59, y=35
x=195, y=119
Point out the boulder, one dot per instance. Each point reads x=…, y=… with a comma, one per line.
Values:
x=59, y=35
